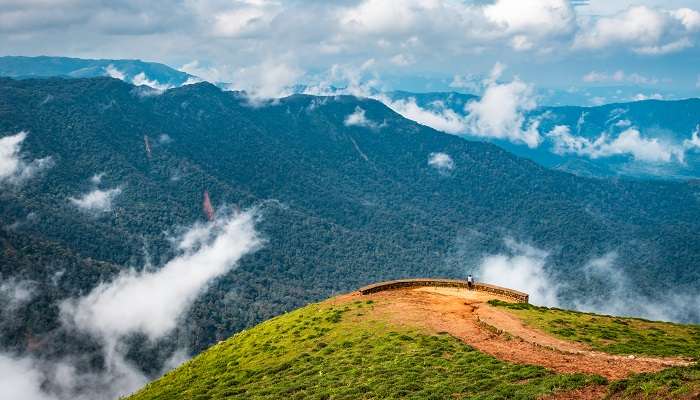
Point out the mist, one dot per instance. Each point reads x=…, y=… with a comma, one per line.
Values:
x=145, y=302
x=608, y=288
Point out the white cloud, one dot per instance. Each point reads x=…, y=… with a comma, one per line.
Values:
x=97, y=178
x=694, y=141
x=470, y=82
x=15, y=293
x=619, y=76
x=13, y=167
x=358, y=118
x=151, y=302
x=620, y=296
x=441, y=161
x=444, y=119
x=623, y=123
x=643, y=29
x=688, y=17
x=629, y=142
x=383, y=17
x=642, y=96
x=97, y=200
x=500, y=113
x=666, y=48
x=20, y=379
x=522, y=268
x=402, y=60
x=534, y=17
x=245, y=18
x=140, y=79
x=268, y=80
x=114, y=72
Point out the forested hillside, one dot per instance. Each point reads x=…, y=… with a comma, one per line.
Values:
x=343, y=202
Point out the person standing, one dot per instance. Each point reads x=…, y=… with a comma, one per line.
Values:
x=470, y=281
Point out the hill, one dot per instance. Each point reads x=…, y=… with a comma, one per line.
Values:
x=438, y=343
x=342, y=202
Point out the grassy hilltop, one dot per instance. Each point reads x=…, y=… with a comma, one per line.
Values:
x=350, y=349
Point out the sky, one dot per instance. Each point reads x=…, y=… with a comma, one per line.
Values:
x=419, y=45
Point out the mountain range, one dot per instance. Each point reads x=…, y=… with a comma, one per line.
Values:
x=105, y=182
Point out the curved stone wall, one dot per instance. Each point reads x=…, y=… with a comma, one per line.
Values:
x=424, y=282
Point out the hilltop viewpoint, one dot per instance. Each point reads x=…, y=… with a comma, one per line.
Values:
x=439, y=339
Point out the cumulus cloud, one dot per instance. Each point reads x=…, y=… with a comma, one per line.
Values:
x=441, y=161
x=522, y=268
x=688, y=17
x=150, y=302
x=629, y=142
x=500, y=112
x=532, y=17
x=643, y=29
x=14, y=169
x=96, y=200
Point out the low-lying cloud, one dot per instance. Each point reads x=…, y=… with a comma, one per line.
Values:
x=359, y=118
x=441, y=161
x=14, y=168
x=628, y=142
x=149, y=302
x=526, y=268
x=96, y=200
x=140, y=79
x=522, y=268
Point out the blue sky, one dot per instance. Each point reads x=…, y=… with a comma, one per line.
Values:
x=648, y=47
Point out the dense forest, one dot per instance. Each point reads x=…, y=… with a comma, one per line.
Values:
x=341, y=205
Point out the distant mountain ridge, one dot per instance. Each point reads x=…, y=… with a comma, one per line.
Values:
x=46, y=66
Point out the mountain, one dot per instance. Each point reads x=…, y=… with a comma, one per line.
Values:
x=649, y=139
x=136, y=71
x=441, y=343
x=345, y=191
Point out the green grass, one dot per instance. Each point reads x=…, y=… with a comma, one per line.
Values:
x=669, y=383
x=611, y=334
x=348, y=352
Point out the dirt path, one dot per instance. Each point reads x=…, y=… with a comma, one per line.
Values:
x=466, y=315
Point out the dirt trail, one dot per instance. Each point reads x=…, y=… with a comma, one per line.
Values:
x=466, y=315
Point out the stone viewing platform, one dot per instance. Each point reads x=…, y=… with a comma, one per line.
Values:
x=514, y=295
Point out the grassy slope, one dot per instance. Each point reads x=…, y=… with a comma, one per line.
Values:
x=625, y=336
x=614, y=335
x=347, y=352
